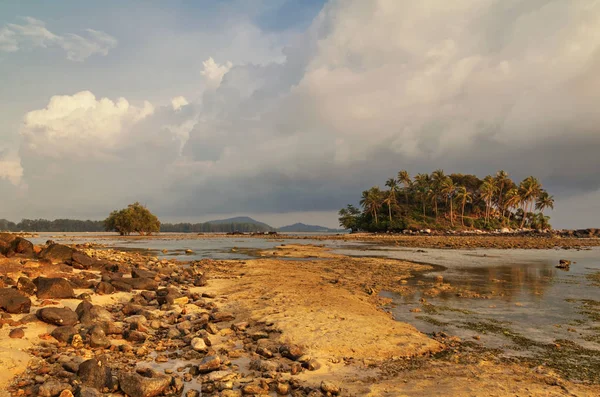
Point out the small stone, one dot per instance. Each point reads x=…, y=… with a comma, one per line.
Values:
x=16, y=333
x=209, y=364
x=330, y=387
x=199, y=345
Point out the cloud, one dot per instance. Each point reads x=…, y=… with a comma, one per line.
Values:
x=71, y=123
x=32, y=33
x=179, y=102
x=213, y=72
x=10, y=167
x=370, y=88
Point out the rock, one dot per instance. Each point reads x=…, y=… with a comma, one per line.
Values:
x=64, y=333
x=13, y=301
x=21, y=247
x=57, y=253
x=209, y=364
x=136, y=385
x=199, y=345
x=25, y=285
x=330, y=387
x=142, y=273
x=168, y=296
x=104, y=288
x=53, y=388
x=142, y=283
x=293, y=352
x=86, y=391
x=218, y=317
x=53, y=288
x=121, y=286
x=282, y=389
x=16, y=333
x=95, y=373
x=77, y=341
x=563, y=264
x=98, y=337
x=312, y=365
x=92, y=314
x=252, y=389
x=82, y=261
x=57, y=316
x=66, y=393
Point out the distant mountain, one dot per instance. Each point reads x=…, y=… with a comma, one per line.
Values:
x=302, y=228
x=242, y=220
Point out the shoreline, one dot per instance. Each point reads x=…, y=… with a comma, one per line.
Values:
x=498, y=241
x=269, y=324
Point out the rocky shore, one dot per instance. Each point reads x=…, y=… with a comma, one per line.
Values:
x=88, y=321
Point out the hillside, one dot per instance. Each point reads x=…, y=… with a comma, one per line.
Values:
x=242, y=220
x=303, y=228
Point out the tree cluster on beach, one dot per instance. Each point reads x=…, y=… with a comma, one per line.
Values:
x=454, y=201
x=134, y=219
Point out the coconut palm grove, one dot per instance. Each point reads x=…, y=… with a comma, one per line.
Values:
x=450, y=202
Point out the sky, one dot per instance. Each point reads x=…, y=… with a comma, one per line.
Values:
x=286, y=110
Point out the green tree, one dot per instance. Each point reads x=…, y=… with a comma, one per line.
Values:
x=136, y=218
x=448, y=189
x=437, y=178
x=371, y=201
x=391, y=200
x=423, y=185
x=529, y=190
x=349, y=217
x=404, y=179
x=463, y=196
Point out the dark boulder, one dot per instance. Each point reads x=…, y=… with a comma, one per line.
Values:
x=13, y=301
x=53, y=288
x=64, y=333
x=95, y=373
x=104, y=288
x=81, y=260
x=92, y=314
x=58, y=316
x=57, y=253
x=151, y=384
x=19, y=247
x=25, y=285
x=142, y=273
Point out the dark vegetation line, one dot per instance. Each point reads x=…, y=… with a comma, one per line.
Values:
x=450, y=202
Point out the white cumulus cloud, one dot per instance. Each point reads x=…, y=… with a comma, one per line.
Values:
x=71, y=122
x=213, y=72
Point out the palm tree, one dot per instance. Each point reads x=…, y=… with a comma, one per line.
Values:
x=448, y=189
x=487, y=192
x=512, y=201
x=404, y=179
x=463, y=196
x=391, y=200
x=501, y=180
x=544, y=201
x=371, y=201
x=423, y=184
x=437, y=177
x=529, y=190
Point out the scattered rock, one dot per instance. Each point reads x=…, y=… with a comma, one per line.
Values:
x=14, y=301
x=64, y=333
x=293, y=352
x=16, y=333
x=57, y=253
x=209, y=364
x=53, y=388
x=150, y=385
x=25, y=285
x=330, y=387
x=95, y=373
x=53, y=288
x=199, y=345
x=57, y=316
